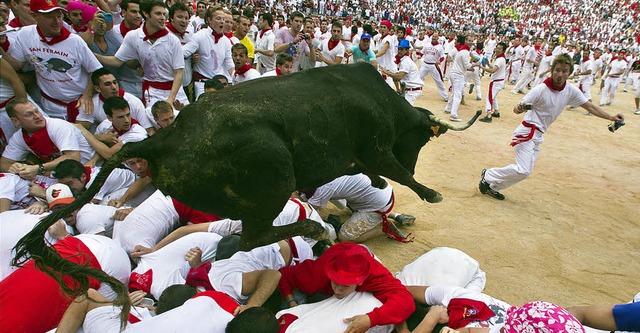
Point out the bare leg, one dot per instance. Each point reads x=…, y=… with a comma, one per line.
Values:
x=5, y=204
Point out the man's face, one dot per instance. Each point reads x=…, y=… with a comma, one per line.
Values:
x=383, y=29
x=516, y=42
x=28, y=117
x=224, y=81
x=308, y=28
x=216, y=21
x=22, y=10
x=585, y=54
x=49, y=23
x=336, y=33
x=365, y=43
x=342, y=291
x=202, y=9
x=560, y=73
x=296, y=24
x=286, y=68
x=401, y=34
x=243, y=26
x=3, y=27
x=228, y=23
x=121, y=119
x=239, y=58
x=108, y=86
x=280, y=21
x=434, y=36
x=180, y=20
x=132, y=15
x=139, y=166
x=499, y=50
x=75, y=16
x=165, y=119
x=402, y=51
x=157, y=18
x=323, y=26
x=76, y=185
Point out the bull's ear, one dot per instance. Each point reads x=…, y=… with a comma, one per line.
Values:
x=436, y=130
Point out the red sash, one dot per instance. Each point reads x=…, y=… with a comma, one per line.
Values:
x=385, y=224
x=199, y=277
x=223, y=300
x=167, y=85
x=41, y=145
x=142, y=281
x=72, y=108
x=524, y=138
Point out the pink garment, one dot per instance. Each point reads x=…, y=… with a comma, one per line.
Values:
x=541, y=317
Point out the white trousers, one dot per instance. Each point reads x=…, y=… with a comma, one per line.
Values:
x=474, y=77
x=492, y=101
x=457, y=84
x=525, y=77
x=436, y=74
x=609, y=91
x=526, y=156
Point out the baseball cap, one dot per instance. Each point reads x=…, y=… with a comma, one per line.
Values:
x=541, y=317
x=404, y=44
x=365, y=36
x=44, y=6
x=59, y=194
x=349, y=267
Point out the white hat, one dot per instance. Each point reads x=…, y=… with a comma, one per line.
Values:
x=59, y=194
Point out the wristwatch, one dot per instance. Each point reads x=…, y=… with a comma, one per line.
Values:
x=41, y=169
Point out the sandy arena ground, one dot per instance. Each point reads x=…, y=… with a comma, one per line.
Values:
x=569, y=234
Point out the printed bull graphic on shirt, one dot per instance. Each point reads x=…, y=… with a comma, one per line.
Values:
x=53, y=64
x=240, y=152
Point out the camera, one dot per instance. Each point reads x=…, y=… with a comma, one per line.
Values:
x=614, y=127
x=305, y=36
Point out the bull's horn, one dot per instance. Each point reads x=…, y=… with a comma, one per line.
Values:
x=453, y=127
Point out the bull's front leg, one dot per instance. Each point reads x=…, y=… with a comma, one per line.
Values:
x=254, y=237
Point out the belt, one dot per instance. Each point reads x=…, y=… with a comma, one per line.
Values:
x=166, y=85
x=72, y=109
x=197, y=77
x=430, y=63
x=413, y=89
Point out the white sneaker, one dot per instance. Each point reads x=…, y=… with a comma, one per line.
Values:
x=513, y=91
x=455, y=118
x=637, y=112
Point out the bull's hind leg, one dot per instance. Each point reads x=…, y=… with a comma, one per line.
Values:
x=254, y=237
x=389, y=167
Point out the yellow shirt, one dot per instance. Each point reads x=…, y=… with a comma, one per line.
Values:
x=250, y=48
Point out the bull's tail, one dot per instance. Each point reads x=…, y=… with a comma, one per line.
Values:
x=33, y=245
x=451, y=126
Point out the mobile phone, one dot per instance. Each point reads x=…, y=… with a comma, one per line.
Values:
x=108, y=17
x=146, y=301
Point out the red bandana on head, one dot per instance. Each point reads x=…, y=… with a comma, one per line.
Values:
x=155, y=35
x=332, y=44
x=124, y=30
x=120, y=94
x=175, y=31
x=263, y=31
x=246, y=67
x=64, y=34
x=216, y=35
x=549, y=83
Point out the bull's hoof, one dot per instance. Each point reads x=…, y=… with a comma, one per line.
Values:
x=435, y=199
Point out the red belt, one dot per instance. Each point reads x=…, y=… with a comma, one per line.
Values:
x=166, y=85
x=199, y=77
x=413, y=89
x=72, y=108
x=524, y=138
x=3, y=104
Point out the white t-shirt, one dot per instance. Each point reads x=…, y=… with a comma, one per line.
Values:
x=134, y=134
x=16, y=189
x=158, y=60
x=431, y=54
x=62, y=69
x=266, y=42
x=500, y=74
x=337, y=51
x=215, y=58
x=247, y=76
x=358, y=192
x=412, y=78
x=136, y=108
x=547, y=104
x=118, y=179
x=386, y=60
x=461, y=62
x=530, y=59
x=65, y=136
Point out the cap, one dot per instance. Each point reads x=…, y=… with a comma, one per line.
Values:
x=44, y=6
x=349, y=267
x=59, y=194
x=386, y=23
x=365, y=36
x=541, y=317
x=463, y=311
x=404, y=44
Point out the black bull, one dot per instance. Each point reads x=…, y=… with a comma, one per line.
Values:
x=242, y=151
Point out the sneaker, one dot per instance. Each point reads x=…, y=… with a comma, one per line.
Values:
x=486, y=119
x=637, y=112
x=496, y=115
x=462, y=101
x=447, y=111
x=478, y=98
x=624, y=90
x=405, y=220
x=471, y=88
x=521, y=92
x=334, y=220
x=455, y=118
x=513, y=91
x=446, y=100
x=486, y=189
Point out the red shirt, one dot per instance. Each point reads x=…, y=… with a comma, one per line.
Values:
x=310, y=277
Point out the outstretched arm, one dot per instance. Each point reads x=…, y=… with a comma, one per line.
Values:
x=599, y=112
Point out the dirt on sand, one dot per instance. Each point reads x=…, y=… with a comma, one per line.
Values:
x=569, y=234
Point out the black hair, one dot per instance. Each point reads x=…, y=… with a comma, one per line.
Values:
x=69, y=168
x=98, y=73
x=267, y=16
x=254, y=320
x=178, y=6
x=174, y=296
x=240, y=46
x=147, y=5
x=125, y=4
x=461, y=39
x=215, y=84
x=114, y=103
x=220, y=76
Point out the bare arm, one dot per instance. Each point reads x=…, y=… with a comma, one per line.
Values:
x=9, y=74
x=108, y=61
x=181, y=232
x=177, y=84
x=17, y=65
x=599, y=112
x=437, y=314
x=383, y=50
x=260, y=285
x=596, y=316
x=136, y=188
x=105, y=151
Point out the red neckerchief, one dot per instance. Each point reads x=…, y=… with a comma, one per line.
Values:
x=124, y=30
x=64, y=34
x=595, y=57
x=120, y=93
x=501, y=56
x=5, y=45
x=399, y=59
x=537, y=47
x=478, y=52
x=614, y=58
x=229, y=34
x=119, y=133
x=87, y=171
x=282, y=26
x=15, y=23
x=216, y=35
x=242, y=69
x=363, y=51
x=549, y=83
x=420, y=38
x=462, y=47
x=175, y=31
x=155, y=35
x=332, y=44
x=41, y=144
x=278, y=72
x=82, y=28
x=262, y=32
x=434, y=43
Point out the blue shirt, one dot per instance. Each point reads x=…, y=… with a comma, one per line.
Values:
x=365, y=56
